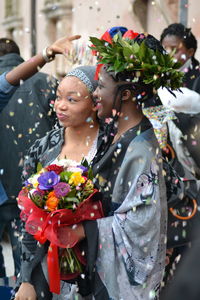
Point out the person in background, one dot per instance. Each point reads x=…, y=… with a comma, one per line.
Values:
x=9, y=84
x=26, y=117
x=183, y=130
x=185, y=286
x=176, y=37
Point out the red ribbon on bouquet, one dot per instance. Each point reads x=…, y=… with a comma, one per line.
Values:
x=44, y=225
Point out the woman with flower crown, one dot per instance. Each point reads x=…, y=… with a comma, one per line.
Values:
x=126, y=248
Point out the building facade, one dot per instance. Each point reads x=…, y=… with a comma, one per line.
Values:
x=34, y=24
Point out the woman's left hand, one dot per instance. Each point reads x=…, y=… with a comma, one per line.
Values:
x=62, y=45
x=70, y=235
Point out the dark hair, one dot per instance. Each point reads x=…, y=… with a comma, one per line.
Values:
x=124, y=81
x=183, y=33
x=8, y=46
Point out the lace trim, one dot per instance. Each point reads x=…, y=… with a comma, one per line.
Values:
x=89, y=157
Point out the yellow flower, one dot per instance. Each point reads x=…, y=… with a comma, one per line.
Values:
x=89, y=185
x=76, y=178
x=34, y=180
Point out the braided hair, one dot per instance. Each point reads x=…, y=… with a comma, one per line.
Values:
x=8, y=46
x=185, y=34
x=124, y=79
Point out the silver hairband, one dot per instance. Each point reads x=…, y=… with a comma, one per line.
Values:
x=81, y=75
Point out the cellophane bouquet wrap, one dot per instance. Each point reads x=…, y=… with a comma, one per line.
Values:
x=61, y=194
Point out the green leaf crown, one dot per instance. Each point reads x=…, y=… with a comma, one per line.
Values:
x=152, y=66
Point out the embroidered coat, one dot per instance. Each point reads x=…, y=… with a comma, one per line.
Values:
x=126, y=249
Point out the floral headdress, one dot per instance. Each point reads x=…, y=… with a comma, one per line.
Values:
x=125, y=50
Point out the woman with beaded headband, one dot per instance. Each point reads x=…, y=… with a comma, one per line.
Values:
x=126, y=249
x=74, y=140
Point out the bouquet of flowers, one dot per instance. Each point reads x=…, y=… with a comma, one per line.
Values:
x=61, y=194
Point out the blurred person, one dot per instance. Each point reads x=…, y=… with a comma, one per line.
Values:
x=36, y=93
x=179, y=39
x=26, y=117
x=183, y=131
x=9, y=83
x=185, y=284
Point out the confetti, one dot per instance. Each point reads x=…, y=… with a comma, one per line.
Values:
x=20, y=101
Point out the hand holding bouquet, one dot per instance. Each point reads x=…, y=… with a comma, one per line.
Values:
x=57, y=196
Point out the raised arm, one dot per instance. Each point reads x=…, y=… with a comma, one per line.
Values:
x=33, y=65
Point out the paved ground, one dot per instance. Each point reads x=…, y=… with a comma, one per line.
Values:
x=7, y=252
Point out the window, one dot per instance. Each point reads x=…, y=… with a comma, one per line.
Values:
x=11, y=8
x=52, y=2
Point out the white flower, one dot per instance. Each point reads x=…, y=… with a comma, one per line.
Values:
x=65, y=163
x=69, y=165
x=31, y=192
x=34, y=180
x=74, y=169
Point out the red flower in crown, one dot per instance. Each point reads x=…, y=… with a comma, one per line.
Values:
x=107, y=36
x=130, y=34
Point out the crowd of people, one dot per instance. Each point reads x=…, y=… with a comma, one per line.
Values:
x=112, y=115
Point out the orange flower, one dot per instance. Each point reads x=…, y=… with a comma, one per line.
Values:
x=52, y=201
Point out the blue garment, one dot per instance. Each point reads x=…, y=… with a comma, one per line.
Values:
x=6, y=91
x=3, y=195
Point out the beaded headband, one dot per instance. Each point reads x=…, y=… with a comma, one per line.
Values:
x=83, y=77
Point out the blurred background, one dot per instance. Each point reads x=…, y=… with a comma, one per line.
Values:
x=34, y=24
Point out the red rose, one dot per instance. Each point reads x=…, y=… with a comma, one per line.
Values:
x=55, y=168
x=130, y=34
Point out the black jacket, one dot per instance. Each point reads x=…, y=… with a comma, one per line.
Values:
x=187, y=123
x=26, y=118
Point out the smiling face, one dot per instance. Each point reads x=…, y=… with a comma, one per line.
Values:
x=104, y=95
x=73, y=103
x=182, y=54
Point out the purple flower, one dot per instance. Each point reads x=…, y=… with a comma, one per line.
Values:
x=84, y=169
x=27, y=183
x=37, y=193
x=47, y=180
x=61, y=189
x=37, y=197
